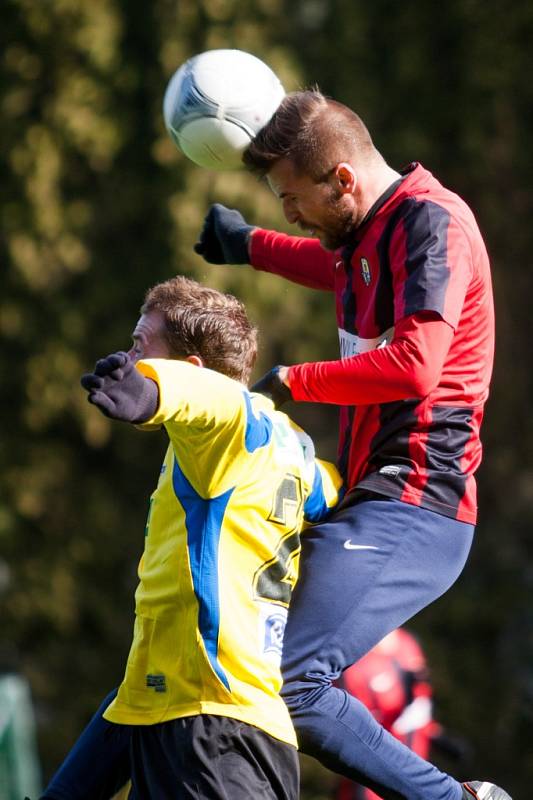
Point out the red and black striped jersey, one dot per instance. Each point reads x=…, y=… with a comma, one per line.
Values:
x=416, y=328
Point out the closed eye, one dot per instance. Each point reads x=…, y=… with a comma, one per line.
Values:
x=292, y=197
x=136, y=348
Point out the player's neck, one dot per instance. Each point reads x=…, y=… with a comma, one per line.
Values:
x=376, y=182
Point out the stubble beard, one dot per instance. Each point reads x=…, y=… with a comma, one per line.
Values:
x=340, y=232
x=338, y=225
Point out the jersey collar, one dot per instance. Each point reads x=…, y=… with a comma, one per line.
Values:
x=348, y=250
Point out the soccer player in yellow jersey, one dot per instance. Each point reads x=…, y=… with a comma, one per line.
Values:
x=199, y=704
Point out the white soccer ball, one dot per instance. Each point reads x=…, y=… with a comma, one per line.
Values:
x=217, y=102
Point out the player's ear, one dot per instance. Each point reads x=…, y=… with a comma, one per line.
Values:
x=345, y=177
x=196, y=360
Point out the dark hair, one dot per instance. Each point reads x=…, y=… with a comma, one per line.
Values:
x=314, y=132
x=207, y=323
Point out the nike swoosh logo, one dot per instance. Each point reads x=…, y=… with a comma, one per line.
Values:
x=349, y=546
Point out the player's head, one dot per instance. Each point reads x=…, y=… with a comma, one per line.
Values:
x=313, y=152
x=183, y=320
x=314, y=132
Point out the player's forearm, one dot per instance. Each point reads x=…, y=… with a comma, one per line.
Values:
x=296, y=258
x=410, y=367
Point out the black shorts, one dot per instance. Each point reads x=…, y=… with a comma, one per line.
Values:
x=208, y=757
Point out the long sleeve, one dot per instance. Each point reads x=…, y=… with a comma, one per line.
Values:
x=296, y=258
x=410, y=366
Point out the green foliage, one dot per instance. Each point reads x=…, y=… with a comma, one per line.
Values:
x=97, y=204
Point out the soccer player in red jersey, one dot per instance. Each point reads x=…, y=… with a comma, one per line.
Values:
x=410, y=273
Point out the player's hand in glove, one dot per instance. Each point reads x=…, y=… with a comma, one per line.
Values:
x=224, y=237
x=119, y=390
x=273, y=387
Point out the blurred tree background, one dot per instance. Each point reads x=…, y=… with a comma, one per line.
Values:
x=97, y=204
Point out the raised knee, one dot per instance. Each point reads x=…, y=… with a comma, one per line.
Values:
x=304, y=692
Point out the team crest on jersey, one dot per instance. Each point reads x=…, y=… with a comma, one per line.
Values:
x=365, y=271
x=272, y=631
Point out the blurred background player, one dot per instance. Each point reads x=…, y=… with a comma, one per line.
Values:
x=198, y=713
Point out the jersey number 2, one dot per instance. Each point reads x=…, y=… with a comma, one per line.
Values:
x=275, y=579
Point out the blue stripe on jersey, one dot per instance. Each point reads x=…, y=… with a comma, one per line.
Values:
x=203, y=520
x=428, y=272
x=454, y=427
x=349, y=305
x=258, y=431
x=316, y=507
x=348, y=416
x=384, y=303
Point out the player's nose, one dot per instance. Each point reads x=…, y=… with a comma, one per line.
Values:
x=290, y=211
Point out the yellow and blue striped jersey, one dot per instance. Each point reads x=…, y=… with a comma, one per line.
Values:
x=221, y=553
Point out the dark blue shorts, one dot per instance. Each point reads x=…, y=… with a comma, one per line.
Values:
x=368, y=569
x=364, y=572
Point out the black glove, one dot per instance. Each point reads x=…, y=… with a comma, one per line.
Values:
x=224, y=237
x=272, y=387
x=119, y=390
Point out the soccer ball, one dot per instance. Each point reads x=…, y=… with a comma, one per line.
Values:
x=216, y=103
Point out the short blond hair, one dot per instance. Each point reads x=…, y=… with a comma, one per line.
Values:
x=206, y=323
